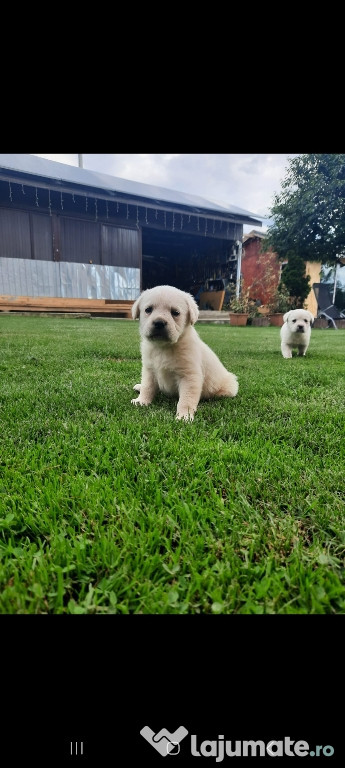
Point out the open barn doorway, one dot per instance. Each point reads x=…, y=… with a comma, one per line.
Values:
x=188, y=262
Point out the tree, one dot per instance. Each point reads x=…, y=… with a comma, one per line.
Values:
x=309, y=213
x=295, y=280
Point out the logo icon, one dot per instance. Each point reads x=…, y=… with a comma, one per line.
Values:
x=164, y=742
x=74, y=748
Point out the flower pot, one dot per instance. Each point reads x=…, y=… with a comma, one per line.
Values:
x=320, y=322
x=238, y=318
x=261, y=322
x=277, y=319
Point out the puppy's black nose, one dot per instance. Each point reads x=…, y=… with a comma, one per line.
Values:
x=300, y=327
x=159, y=324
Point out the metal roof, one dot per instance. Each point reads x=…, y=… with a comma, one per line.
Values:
x=39, y=166
x=252, y=235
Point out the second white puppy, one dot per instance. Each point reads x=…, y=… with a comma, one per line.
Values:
x=174, y=358
x=296, y=331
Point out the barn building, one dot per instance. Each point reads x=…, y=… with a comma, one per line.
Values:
x=77, y=240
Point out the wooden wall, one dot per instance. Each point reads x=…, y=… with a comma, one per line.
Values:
x=29, y=235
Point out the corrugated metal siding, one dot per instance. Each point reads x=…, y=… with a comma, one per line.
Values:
x=27, y=277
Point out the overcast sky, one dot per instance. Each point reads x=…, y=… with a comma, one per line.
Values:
x=248, y=181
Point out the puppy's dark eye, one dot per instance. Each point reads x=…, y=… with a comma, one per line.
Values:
x=175, y=312
x=305, y=320
x=294, y=321
x=148, y=310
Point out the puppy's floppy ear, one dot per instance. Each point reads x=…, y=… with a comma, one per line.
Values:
x=286, y=316
x=136, y=308
x=193, y=308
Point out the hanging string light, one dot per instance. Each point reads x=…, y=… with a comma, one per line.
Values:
x=9, y=184
x=173, y=223
x=36, y=197
x=73, y=197
x=96, y=212
x=146, y=216
x=106, y=208
x=49, y=203
x=156, y=213
x=86, y=203
x=127, y=212
x=213, y=226
x=165, y=219
x=205, y=233
x=117, y=207
x=23, y=189
x=181, y=221
x=137, y=217
x=61, y=200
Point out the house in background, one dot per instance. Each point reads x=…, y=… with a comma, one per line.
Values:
x=73, y=239
x=313, y=269
x=261, y=271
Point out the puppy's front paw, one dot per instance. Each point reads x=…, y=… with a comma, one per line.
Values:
x=186, y=415
x=137, y=388
x=138, y=401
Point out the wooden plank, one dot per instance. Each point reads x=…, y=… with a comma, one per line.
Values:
x=87, y=310
x=33, y=303
x=214, y=299
x=59, y=301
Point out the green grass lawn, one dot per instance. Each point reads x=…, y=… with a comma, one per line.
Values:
x=110, y=508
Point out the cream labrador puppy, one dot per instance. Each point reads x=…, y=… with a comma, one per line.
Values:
x=296, y=331
x=174, y=358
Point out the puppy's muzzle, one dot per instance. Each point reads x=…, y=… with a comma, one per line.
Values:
x=300, y=328
x=159, y=329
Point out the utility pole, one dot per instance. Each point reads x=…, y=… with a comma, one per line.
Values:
x=239, y=267
x=335, y=282
x=80, y=161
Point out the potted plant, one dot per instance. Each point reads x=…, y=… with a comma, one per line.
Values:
x=241, y=307
x=260, y=319
x=280, y=303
